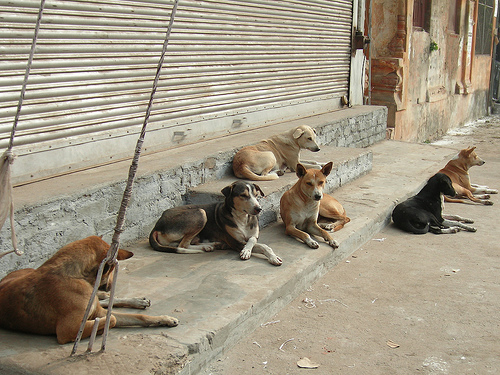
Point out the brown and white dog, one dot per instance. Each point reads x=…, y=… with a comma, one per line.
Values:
x=268, y=159
x=232, y=224
x=52, y=299
x=457, y=170
x=300, y=207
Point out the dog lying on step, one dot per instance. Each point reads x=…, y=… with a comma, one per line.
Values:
x=300, y=207
x=52, y=299
x=231, y=224
x=268, y=159
x=458, y=170
x=422, y=213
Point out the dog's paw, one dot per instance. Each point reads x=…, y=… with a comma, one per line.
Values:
x=492, y=191
x=312, y=244
x=488, y=203
x=468, y=228
x=245, y=254
x=207, y=248
x=165, y=320
x=329, y=227
x=141, y=303
x=333, y=244
x=280, y=172
x=275, y=260
x=482, y=196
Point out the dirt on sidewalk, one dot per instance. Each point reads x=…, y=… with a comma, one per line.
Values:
x=401, y=304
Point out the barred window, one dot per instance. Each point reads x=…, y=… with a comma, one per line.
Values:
x=484, y=27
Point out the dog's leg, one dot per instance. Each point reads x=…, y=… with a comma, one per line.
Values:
x=458, y=218
x=67, y=326
x=462, y=192
x=316, y=230
x=333, y=224
x=131, y=320
x=481, y=189
x=450, y=223
x=443, y=230
x=133, y=303
x=268, y=253
x=246, y=252
x=482, y=196
x=200, y=248
x=292, y=231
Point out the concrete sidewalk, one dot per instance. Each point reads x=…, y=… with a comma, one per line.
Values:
x=220, y=299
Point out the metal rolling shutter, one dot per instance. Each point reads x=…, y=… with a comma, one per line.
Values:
x=229, y=64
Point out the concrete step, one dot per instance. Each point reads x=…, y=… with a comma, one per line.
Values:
x=349, y=164
x=53, y=212
x=219, y=298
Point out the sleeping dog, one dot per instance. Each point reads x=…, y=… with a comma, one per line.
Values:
x=232, y=223
x=422, y=213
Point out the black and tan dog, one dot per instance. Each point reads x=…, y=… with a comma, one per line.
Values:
x=52, y=299
x=300, y=207
x=422, y=213
x=231, y=224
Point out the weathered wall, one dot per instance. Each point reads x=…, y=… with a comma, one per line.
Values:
x=427, y=92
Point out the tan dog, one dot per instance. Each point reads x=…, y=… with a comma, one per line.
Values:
x=300, y=207
x=52, y=299
x=269, y=158
x=457, y=170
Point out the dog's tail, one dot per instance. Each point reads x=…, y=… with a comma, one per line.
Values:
x=153, y=241
x=247, y=173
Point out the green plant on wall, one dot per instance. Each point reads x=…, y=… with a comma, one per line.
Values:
x=434, y=46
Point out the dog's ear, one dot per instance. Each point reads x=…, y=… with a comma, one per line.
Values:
x=297, y=133
x=300, y=170
x=327, y=168
x=259, y=190
x=227, y=190
x=124, y=254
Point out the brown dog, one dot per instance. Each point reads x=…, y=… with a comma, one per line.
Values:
x=457, y=170
x=300, y=207
x=52, y=299
x=268, y=159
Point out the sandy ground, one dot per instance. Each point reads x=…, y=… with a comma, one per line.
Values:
x=401, y=304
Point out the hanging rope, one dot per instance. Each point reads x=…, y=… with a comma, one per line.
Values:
x=113, y=250
x=6, y=201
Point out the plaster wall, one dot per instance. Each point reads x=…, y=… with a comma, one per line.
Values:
x=430, y=91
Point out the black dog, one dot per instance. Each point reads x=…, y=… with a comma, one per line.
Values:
x=232, y=223
x=422, y=213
